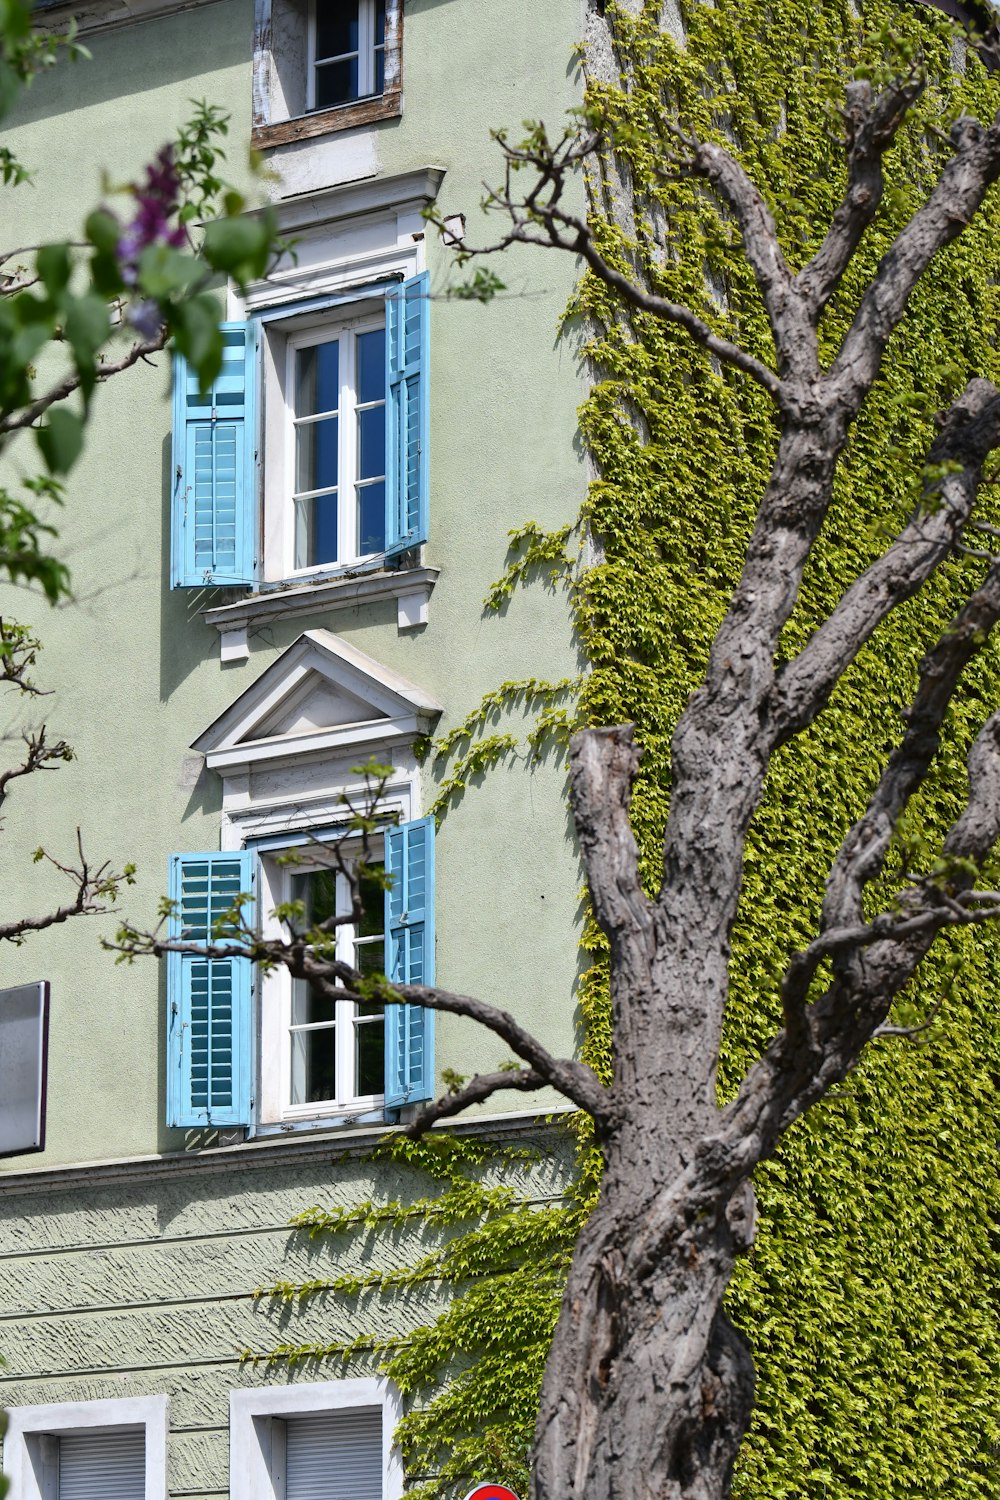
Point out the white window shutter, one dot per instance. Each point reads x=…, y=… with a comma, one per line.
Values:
x=334, y=1455
x=103, y=1466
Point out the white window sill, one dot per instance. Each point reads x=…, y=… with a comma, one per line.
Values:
x=410, y=587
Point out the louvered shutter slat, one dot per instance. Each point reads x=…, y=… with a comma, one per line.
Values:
x=209, y=1000
x=409, y=959
x=103, y=1466
x=334, y=1456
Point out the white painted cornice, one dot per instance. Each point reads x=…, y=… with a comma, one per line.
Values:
x=395, y=710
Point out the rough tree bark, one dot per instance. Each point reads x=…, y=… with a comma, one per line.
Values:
x=649, y=1388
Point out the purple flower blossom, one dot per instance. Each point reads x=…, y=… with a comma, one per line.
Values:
x=146, y=318
x=157, y=200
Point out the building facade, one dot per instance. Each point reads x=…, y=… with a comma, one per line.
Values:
x=274, y=584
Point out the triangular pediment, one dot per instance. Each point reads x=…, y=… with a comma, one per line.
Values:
x=320, y=691
x=315, y=704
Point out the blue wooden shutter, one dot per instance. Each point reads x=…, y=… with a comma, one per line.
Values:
x=209, y=1000
x=409, y=959
x=407, y=429
x=213, y=521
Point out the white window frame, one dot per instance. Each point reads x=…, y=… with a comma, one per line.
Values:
x=252, y=1412
x=367, y=48
x=34, y=1475
x=346, y=330
x=275, y=1012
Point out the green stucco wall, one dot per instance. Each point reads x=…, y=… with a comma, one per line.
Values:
x=135, y=670
x=135, y=1281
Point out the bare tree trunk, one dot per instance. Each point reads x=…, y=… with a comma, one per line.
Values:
x=649, y=1388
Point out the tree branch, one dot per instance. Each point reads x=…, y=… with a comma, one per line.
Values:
x=29, y=415
x=864, y=849
x=96, y=892
x=578, y=1082
x=957, y=195
x=872, y=122
x=970, y=430
x=39, y=757
x=793, y=333
x=603, y=764
x=478, y=1089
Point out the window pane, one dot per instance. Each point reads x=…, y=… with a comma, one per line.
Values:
x=371, y=519
x=371, y=443
x=317, y=459
x=380, y=71
x=379, y=22
x=336, y=27
x=309, y=1005
x=315, y=531
x=317, y=379
x=370, y=1055
x=336, y=83
x=314, y=1065
x=371, y=366
x=372, y=902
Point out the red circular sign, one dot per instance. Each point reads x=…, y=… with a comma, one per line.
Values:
x=491, y=1492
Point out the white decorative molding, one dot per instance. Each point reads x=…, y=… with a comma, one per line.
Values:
x=410, y=587
x=287, y=747
x=251, y=1413
x=27, y=1460
x=345, y=236
x=401, y=192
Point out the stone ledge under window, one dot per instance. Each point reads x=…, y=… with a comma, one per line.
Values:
x=410, y=587
x=385, y=106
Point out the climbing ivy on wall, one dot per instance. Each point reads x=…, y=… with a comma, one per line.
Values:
x=870, y=1297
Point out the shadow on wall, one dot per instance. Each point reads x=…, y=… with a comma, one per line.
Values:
x=151, y=55
x=185, y=640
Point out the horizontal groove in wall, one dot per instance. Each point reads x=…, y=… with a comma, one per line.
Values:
x=97, y=1370
x=114, y=1307
x=43, y=1252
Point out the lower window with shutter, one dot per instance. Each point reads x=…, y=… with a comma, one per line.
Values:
x=334, y=1455
x=102, y=1465
x=88, y=1450
x=322, y=1440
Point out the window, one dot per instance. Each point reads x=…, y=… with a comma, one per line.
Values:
x=339, y=472
x=336, y=1048
x=88, y=1450
x=318, y=1057
x=331, y=1438
x=347, y=52
x=320, y=67
x=253, y=1050
x=337, y=383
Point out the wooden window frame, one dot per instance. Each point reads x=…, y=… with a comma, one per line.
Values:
x=266, y=134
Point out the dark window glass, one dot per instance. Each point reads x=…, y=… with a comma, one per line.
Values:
x=371, y=366
x=317, y=379
x=336, y=27
x=371, y=519
x=336, y=83
x=370, y=1045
